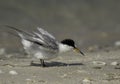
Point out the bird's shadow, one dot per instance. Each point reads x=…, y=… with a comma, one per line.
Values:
x=56, y=64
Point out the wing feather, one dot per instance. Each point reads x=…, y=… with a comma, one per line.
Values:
x=41, y=38
x=47, y=38
x=45, y=32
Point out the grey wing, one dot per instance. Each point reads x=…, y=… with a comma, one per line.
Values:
x=41, y=38
x=48, y=39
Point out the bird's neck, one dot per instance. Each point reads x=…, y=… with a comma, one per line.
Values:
x=64, y=48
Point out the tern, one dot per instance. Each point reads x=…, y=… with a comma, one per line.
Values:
x=43, y=45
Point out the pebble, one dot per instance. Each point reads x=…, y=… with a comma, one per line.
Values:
x=82, y=71
x=13, y=72
x=1, y=71
x=28, y=79
x=99, y=63
x=117, y=43
x=86, y=81
x=64, y=75
x=2, y=51
x=115, y=63
x=93, y=48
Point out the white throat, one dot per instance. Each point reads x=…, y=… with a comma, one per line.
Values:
x=64, y=48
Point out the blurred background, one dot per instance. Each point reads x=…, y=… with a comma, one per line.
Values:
x=91, y=23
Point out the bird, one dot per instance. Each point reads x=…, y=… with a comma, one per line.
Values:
x=43, y=45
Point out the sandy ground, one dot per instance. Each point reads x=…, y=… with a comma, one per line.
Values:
x=92, y=24
x=71, y=68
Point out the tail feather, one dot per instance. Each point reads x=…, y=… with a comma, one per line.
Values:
x=16, y=35
x=18, y=30
x=27, y=36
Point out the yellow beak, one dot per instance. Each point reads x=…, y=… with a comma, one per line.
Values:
x=78, y=51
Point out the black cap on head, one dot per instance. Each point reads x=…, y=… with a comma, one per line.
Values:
x=69, y=42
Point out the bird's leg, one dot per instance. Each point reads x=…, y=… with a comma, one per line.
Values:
x=42, y=62
x=32, y=63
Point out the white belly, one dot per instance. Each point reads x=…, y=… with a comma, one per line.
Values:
x=37, y=51
x=46, y=55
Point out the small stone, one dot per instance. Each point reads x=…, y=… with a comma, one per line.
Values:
x=93, y=48
x=117, y=43
x=115, y=63
x=99, y=63
x=1, y=71
x=86, y=81
x=82, y=71
x=64, y=75
x=28, y=79
x=13, y=72
x=9, y=55
x=2, y=51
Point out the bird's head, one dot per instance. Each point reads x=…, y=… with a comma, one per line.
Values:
x=70, y=43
